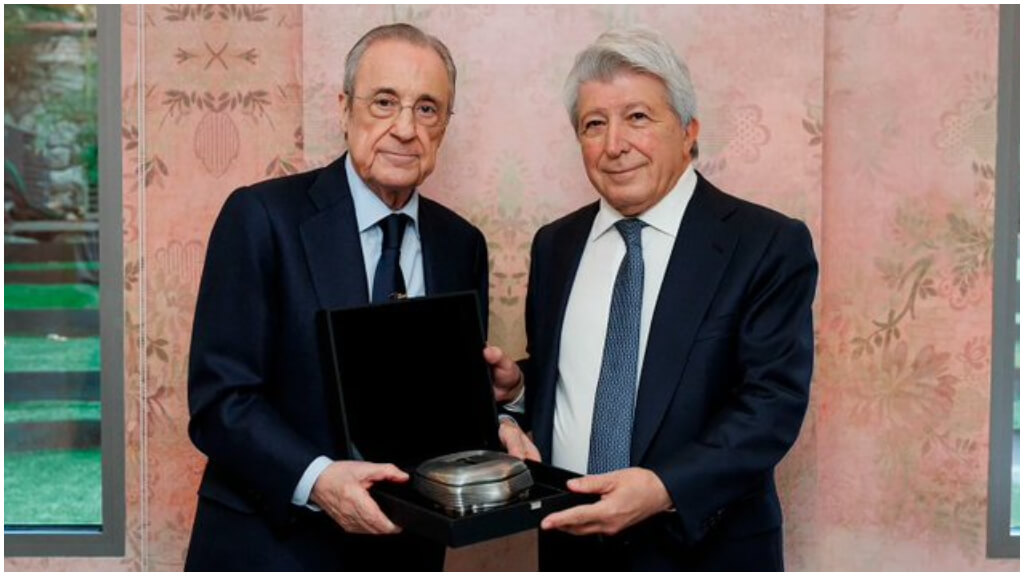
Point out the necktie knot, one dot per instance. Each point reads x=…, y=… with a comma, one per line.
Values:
x=630, y=229
x=393, y=227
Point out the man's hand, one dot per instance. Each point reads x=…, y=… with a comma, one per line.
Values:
x=627, y=497
x=342, y=492
x=516, y=442
x=505, y=375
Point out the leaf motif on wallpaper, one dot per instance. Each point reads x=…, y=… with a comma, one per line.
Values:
x=237, y=12
x=905, y=393
x=218, y=56
x=183, y=56
x=280, y=167
x=972, y=248
x=131, y=275
x=887, y=330
x=981, y=21
x=253, y=104
x=216, y=142
x=156, y=171
x=814, y=128
x=975, y=354
x=130, y=137
x=157, y=397
x=157, y=347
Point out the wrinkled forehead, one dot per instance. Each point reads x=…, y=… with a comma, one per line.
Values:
x=402, y=68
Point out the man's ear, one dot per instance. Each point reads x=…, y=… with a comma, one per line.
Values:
x=344, y=105
x=693, y=129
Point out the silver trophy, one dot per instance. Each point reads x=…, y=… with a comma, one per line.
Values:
x=471, y=481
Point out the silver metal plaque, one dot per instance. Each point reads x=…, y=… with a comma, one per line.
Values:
x=473, y=480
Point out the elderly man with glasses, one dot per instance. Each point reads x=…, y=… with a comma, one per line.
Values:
x=275, y=495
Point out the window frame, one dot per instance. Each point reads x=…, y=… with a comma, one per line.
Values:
x=1006, y=294
x=109, y=538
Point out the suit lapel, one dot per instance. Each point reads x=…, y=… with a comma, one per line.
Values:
x=331, y=241
x=699, y=257
x=568, y=244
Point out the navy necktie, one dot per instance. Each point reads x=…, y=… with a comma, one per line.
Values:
x=612, y=425
x=387, y=280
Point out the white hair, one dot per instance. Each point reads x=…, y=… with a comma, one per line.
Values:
x=636, y=50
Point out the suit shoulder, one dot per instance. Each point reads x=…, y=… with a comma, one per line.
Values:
x=754, y=217
x=274, y=189
x=581, y=216
x=448, y=218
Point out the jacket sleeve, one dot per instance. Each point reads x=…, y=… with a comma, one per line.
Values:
x=743, y=441
x=483, y=273
x=232, y=417
x=527, y=365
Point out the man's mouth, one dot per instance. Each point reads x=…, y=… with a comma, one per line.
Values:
x=399, y=157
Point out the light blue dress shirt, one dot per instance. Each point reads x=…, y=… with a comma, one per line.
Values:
x=370, y=210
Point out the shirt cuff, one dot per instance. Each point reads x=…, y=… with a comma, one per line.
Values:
x=518, y=405
x=305, y=486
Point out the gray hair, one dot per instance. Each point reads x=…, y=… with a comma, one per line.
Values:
x=406, y=33
x=637, y=50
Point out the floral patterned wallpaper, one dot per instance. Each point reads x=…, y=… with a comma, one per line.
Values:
x=876, y=125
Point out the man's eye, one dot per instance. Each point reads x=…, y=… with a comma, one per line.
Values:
x=592, y=124
x=426, y=109
x=385, y=102
x=636, y=116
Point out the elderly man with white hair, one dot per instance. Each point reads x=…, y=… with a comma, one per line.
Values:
x=669, y=337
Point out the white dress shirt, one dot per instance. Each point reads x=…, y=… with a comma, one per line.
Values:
x=586, y=314
x=370, y=210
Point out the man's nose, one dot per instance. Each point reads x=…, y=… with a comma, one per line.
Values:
x=404, y=126
x=616, y=142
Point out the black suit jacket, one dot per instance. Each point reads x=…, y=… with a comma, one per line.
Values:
x=260, y=410
x=725, y=380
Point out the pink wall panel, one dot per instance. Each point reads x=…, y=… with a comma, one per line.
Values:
x=906, y=292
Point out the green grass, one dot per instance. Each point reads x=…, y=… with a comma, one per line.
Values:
x=40, y=266
x=51, y=355
x=52, y=487
x=49, y=296
x=50, y=411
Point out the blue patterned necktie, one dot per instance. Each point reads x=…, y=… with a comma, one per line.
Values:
x=388, y=280
x=612, y=425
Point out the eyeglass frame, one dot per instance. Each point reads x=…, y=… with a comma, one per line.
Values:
x=443, y=117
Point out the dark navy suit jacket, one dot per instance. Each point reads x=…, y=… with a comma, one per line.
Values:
x=260, y=410
x=725, y=380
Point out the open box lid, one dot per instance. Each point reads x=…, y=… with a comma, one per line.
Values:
x=411, y=378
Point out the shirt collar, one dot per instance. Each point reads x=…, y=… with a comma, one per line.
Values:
x=370, y=209
x=665, y=216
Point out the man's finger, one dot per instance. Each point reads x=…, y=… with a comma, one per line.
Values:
x=388, y=472
x=493, y=355
x=575, y=516
x=512, y=439
x=370, y=515
x=532, y=453
x=596, y=484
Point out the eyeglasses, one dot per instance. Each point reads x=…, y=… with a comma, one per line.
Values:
x=426, y=113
